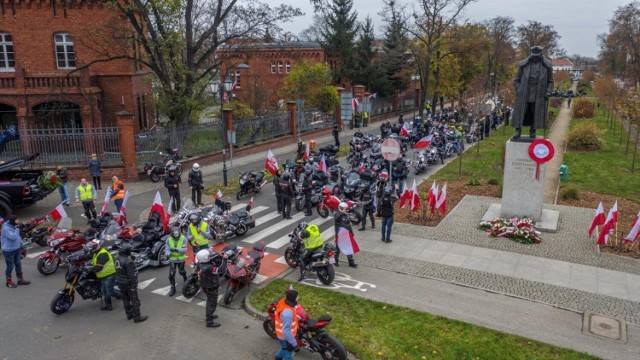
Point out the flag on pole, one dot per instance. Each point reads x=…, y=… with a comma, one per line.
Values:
x=158, y=207
x=355, y=103
x=634, y=233
x=217, y=195
x=346, y=242
x=171, y=205
x=603, y=237
x=406, y=196
x=424, y=142
x=598, y=219
x=322, y=166
x=123, y=207
x=107, y=197
x=57, y=213
x=403, y=130
x=374, y=95
x=271, y=165
x=441, y=204
x=305, y=157
x=433, y=196
x=249, y=205
x=415, y=197
x=614, y=209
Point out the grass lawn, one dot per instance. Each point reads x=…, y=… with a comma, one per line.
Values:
x=375, y=330
x=606, y=171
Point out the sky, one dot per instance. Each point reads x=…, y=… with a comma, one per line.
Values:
x=578, y=22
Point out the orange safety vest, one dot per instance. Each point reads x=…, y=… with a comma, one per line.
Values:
x=120, y=194
x=294, y=321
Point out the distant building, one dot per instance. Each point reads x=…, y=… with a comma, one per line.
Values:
x=562, y=64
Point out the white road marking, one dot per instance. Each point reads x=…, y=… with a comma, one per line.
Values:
x=184, y=299
x=270, y=216
x=35, y=254
x=162, y=291
x=281, y=260
x=144, y=284
x=329, y=234
x=285, y=239
x=259, y=278
x=202, y=303
x=273, y=229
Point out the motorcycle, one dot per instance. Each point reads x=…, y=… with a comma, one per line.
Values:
x=77, y=280
x=181, y=219
x=223, y=225
x=192, y=285
x=243, y=271
x=65, y=243
x=420, y=162
x=321, y=262
x=32, y=231
x=311, y=334
x=351, y=185
x=330, y=203
x=157, y=170
x=147, y=241
x=250, y=182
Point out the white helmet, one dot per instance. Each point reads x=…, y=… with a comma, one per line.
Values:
x=203, y=256
x=343, y=207
x=196, y=167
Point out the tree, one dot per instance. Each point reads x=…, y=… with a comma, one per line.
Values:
x=177, y=41
x=367, y=71
x=338, y=39
x=501, y=32
x=535, y=33
x=394, y=60
x=311, y=83
x=620, y=49
x=313, y=32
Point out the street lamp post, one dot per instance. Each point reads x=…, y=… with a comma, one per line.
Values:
x=215, y=86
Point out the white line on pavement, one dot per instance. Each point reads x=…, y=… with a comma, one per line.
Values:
x=263, y=219
x=35, y=254
x=144, y=284
x=281, y=260
x=162, y=291
x=285, y=239
x=273, y=229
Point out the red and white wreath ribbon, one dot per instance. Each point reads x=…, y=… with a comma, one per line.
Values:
x=540, y=151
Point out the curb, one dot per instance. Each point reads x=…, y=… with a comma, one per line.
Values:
x=249, y=308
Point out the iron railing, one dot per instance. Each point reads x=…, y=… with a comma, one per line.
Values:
x=261, y=128
x=65, y=146
x=193, y=139
x=313, y=120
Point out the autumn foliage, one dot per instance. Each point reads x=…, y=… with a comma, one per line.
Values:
x=583, y=108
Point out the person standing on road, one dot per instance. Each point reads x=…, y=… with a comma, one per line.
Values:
x=210, y=271
x=286, y=193
x=63, y=184
x=196, y=184
x=176, y=250
x=11, y=243
x=307, y=189
x=342, y=221
x=103, y=266
x=95, y=170
x=286, y=325
x=87, y=194
x=368, y=208
x=336, y=133
x=569, y=101
x=386, y=211
x=117, y=192
x=127, y=281
x=172, y=183
x=198, y=233
x=276, y=185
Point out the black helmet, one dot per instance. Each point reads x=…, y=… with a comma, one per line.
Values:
x=172, y=168
x=124, y=250
x=286, y=176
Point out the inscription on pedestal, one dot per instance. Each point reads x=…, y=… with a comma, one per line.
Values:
x=522, y=193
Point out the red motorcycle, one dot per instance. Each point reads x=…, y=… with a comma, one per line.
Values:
x=33, y=231
x=311, y=335
x=64, y=243
x=330, y=204
x=244, y=270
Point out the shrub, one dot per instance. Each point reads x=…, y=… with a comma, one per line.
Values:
x=474, y=182
x=571, y=193
x=555, y=102
x=586, y=136
x=493, y=182
x=583, y=108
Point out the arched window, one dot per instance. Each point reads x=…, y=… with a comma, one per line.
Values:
x=287, y=66
x=58, y=114
x=65, y=51
x=7, y=62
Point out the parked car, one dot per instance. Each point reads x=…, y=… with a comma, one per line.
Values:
x=19, y=187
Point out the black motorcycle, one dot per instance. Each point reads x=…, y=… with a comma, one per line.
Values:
x=192, y=285
x=351, y=186
x=158, y=169
x=148, y=246
x=321, y=261
x=223, y=225
x=250, y=182
x=78, y=279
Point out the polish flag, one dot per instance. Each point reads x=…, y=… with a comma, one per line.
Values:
x=607, y=228
x=158, y=207
x=403, y=130
x=415, y=198
x=406, y=196
x=614, y=209
x=598, y=219
x=271, y=165
x=107, y=197
x=441, y=204
x=123, y=208
x=249, y=205
x=634, y=234
x=355, y=103
x=305, y=157
x=170, y=210
x=58, y=213
x=346, y=242
x=433, y=196
x=424, y=142
x=322, y=166
x=217, y=195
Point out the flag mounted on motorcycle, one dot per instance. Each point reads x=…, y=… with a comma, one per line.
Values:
x=424, y=142
x=271, y=165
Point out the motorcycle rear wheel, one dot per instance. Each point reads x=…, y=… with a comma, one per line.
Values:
x=269, y=327
x=299, y=204
x=61, y=302
x=190, y=287
x=290, y=258
x=154, y=177
x=46, y=267
x=356, y=218
x=241, y=230
x=163, y=259
x=228, y=295
x=323, y=211
x=332, y=348
x=326, y=274
x=239, y=195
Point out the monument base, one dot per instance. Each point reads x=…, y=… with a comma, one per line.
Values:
x=522, y=192
x=548, y=221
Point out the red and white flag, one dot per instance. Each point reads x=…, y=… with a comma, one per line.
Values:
x=105, y=204
x=406, y=196
x=403, y=130
x=57, y=213
x=607, y=228
x=249, y=204
x=614, y=209
x=598, y=219
x=424, y=142
x=171, y=205
x=158, y=207
x=322, y=166
x=123, y=207
x=271, y=165
x=415, y=197
x=305, y=157
x=346, y=242
x=355, y=103
x=634, y=233
x=217, y=195
x=433, y=196
x=441, y=204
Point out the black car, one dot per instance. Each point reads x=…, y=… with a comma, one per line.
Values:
x=18, y=186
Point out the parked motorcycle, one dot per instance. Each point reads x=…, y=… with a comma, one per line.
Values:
x=311, y=334
x=420, y=162
x=330, y=204
x=223, y=225
x=243, y=271
x=77, y=280
x=147, y=241
x=250, y=182
x=65, y=243
x=192, y=285
x=158, y=169
x=321, y=262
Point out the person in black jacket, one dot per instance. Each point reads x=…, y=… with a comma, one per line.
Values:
x=276, y=184
x=196, y=184
x=342, y=221
x=63, y=184
x=336, y=133
x=307, y=190
x=286, y=193
x=368, y=208
x=211, y=268
x=386, y=211
x=172, y=183
x=127, y=281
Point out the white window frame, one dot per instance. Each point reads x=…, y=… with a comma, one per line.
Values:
x=273, y=67
x=237, y=79
x=68, y=49
x=287, y=66
x=280, y=66
x=4, y=44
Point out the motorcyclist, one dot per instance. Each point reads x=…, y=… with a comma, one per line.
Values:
x=198, y=233
x=384, y=128
x=342, y=221
x=307, y=190
x=127, y=280
x=397, y=173
x=368, y=208
x=176, y=251
x=299, y=169
x=172, y=183
x=286, y=193
x=196, y=184
x=276, y=184
x=312, y=241
x=103, y=266
x=212, y=266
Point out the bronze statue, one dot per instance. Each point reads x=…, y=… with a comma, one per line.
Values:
x=533, y=83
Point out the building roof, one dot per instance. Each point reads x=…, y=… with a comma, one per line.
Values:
x=562, y=62
x=274, y=45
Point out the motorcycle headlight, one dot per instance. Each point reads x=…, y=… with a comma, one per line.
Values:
x=241, y=181
x=110, y=237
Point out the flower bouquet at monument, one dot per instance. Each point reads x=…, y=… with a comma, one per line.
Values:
x=48, y=181
x=516, y=229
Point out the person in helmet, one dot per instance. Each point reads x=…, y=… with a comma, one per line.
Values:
x=196, y=184
x=386, y=211
x=103, y=266
x=127, y=281
x=286, y=193
x=312, y=241
x=172, y=183
x=176, y=251
x=307, y=190
x=212, y=266
x=342, y=221
x=368, y=208
x=198, y=233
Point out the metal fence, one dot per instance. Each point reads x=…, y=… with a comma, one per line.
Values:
x=65, y=146
x=314, y=119
x=261, y=128
x=384, y=105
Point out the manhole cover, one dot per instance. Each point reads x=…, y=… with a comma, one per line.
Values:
x=605, y=327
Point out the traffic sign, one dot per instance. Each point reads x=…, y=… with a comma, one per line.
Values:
x=390, y=150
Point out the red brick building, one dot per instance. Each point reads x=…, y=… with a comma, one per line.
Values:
x=44, y=48
x=268, y=65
